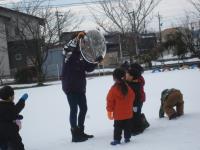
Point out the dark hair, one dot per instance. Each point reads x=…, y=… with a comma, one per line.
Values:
x=118, y=74
x=6, y=92
x=134, y=72
x=125, y=65
x=137, y=67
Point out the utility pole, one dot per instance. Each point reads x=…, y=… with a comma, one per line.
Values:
x=134, y=31
x=160, y=35
x=135, y=34
x=144, y=26
x=58, y=25
x=120, y=48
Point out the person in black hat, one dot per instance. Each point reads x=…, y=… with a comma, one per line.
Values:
x=9, y=119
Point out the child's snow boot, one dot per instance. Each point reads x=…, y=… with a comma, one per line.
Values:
x=77, y=136
x=145, y=123
x=115, y=142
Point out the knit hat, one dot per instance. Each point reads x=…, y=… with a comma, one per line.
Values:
x=6, y=92
x=138, y=67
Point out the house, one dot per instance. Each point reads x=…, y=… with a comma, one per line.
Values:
x=4, y=59
x=52, y=67
x=113, y=46
x=119, y=46
x=147, y=42
x=114, y=55
x=13, y=53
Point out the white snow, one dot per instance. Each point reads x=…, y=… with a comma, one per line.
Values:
x=46, y=116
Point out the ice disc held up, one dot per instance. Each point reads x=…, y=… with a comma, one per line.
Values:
x=92, y=46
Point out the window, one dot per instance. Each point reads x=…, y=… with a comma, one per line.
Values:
x=18, y=57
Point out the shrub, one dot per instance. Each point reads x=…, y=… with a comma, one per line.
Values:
x=25, y=75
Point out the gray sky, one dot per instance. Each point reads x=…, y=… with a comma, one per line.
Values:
x=171, y=12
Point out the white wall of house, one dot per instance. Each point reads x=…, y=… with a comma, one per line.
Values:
x=4, y=59
x=22, y=22
x=10, y=24
x=111, y=59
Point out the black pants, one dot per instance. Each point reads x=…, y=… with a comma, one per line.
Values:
x=77, y=100
x=122, y=125
x=137, y=115
x=9, y=134
x=3, y=145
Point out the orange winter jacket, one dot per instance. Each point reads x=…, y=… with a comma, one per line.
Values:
x=120, y=105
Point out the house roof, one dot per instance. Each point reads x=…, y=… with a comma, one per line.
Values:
x=4, y=17
x=41, y=20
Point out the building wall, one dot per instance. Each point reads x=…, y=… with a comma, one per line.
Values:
x=53, y=65
x=16, y=53
x=4, y=60
x=111, y=59
x=20, y=21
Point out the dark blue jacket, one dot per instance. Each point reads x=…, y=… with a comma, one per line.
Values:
x=74, y=72
x=135, y=86
x=8, y=129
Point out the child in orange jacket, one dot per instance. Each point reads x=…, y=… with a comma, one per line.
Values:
x=120, y=100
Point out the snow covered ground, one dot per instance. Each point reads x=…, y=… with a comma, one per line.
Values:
x=46, y=125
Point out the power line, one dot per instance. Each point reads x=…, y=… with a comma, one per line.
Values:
x=60, y=5
x=164, y=19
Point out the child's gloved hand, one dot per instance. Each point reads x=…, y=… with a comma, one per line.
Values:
x=135, y=109
x=18, y=123
x=110, y=115
x=19, y=117
x=24, y=97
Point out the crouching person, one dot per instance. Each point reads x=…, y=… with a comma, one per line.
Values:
x=171, y=98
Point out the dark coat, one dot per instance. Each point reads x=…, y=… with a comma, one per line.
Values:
x=74, y=72
x=136, y=86
x=9, y=131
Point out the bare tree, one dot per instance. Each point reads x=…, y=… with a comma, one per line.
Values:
x=43, y=37
x=196, y=5
x=180, y=42
x=125, y=16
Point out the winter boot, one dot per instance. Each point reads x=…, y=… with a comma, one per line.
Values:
x=144, y=121
x=77, y=135
x=115, y=142
x=173, y=116
x=126, y=140
x=84, y=134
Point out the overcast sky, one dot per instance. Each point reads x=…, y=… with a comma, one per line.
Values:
x=171, y=12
